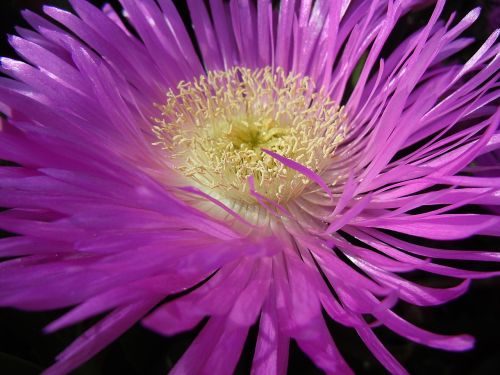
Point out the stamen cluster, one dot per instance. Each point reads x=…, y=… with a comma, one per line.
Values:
x=215, y=128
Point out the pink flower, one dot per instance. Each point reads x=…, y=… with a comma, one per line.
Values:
x=253, y=176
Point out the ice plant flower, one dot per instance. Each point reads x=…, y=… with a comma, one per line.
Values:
x=247, y=171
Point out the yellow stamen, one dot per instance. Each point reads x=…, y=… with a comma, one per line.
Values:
x=215, y=127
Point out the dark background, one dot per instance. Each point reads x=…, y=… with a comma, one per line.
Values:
x=25, y=350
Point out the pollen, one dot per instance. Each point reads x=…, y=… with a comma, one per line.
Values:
x=214, y=130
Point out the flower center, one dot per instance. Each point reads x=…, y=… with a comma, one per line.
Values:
x=215, y=128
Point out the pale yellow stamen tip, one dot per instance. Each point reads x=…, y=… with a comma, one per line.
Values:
x=215, y=127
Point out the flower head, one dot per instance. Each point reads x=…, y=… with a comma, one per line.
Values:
x=257, y=174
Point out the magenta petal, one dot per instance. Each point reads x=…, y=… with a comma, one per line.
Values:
x=97, y=337
x=217, y=348
x=271, y=351
x=379, y=351
x=408, y=330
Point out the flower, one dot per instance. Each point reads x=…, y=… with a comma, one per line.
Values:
x=252, y=183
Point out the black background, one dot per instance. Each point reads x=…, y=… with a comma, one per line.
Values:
x=25, y=350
